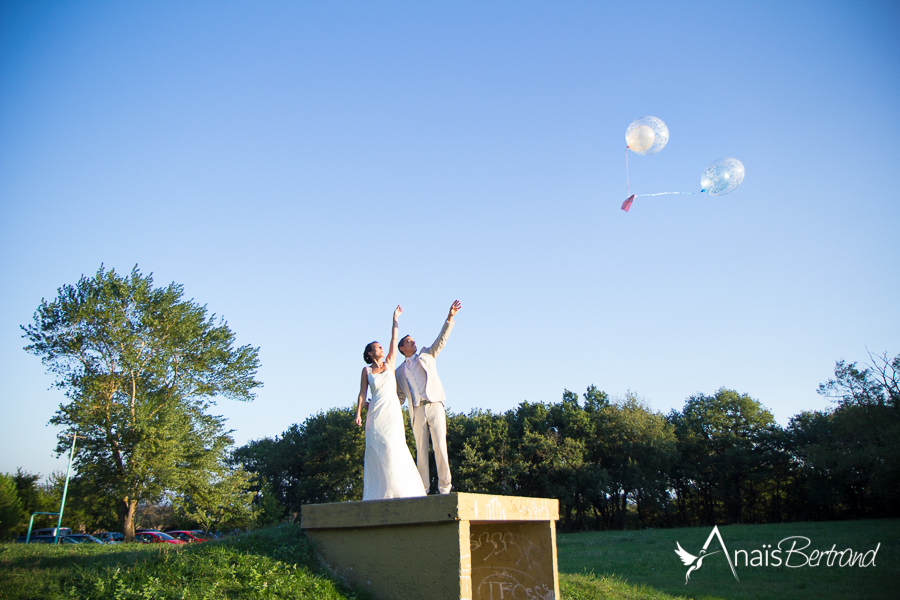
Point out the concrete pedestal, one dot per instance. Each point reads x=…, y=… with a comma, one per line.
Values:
x=454, y=547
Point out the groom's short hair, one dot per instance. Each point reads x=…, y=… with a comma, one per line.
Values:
x=401, y=342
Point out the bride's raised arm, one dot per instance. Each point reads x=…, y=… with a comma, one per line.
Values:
x=395, y=328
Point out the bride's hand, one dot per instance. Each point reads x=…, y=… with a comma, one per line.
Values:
x=397, y=312
x=358, y=420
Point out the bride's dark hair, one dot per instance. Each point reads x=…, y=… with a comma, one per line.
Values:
x=369, y=347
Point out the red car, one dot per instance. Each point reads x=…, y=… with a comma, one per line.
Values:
x=155, y=537
x=187, y=536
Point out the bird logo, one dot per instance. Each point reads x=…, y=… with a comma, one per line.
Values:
x=687, y=558
x=695, y=562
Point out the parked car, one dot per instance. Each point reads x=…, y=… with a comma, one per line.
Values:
x=83, y=538
x=187, y=536
x=45, y=539
x=110, y=537
x=204, y=534
x=155, y=537
x=149, y=530
x=51, y=531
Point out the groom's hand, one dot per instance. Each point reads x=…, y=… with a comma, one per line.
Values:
x=454, y=308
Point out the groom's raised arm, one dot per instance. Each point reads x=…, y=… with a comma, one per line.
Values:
x=438, y=344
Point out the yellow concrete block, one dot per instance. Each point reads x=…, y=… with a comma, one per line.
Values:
x=458, y=546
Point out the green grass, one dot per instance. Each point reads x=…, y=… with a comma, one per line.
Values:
x=629, y=565
x=270, y=563
x=643, y=564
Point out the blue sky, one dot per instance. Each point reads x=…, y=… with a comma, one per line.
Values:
x=302, y=168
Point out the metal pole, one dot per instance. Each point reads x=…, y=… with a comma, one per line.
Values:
x=65, y=490
x=31, y=522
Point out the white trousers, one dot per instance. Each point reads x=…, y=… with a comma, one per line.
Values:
x=430, y=420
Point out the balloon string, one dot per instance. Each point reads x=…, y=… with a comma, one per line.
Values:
x=667, y=193
x=627, y=179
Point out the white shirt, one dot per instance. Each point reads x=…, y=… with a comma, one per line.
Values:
x=416, y=377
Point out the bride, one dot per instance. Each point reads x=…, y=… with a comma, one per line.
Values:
x=388, y=469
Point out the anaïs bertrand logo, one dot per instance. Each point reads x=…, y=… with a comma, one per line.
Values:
x=793, y=552
x=689, y=559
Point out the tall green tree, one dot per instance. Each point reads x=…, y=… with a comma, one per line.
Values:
x=269, y=510
x=11, y=512
x=315, y=462
x=723, y=455
x=875, y=385
x=219, y=505
x=33, y=496
x=88, y=508
x=636, y=446
x=850, y=456
x=331, y=450
x=482, y=458
x=140, y=367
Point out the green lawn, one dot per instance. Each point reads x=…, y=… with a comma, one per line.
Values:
x=644, y=563
x=270, y=563
x=278, y=563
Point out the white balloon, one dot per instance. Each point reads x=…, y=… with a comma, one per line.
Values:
x=640, y=138
x=722, y=177
x=639, y=132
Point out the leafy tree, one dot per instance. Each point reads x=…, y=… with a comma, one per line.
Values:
x=771, y=485
x=876, y=385
x=482, y=458
x=269, y=510
x=34, y=497
x=550, y=458
x=850, y=456
x=331, y=450
x=534, y=449
x=318, y=461
x=636, y=449
x=721, y=455
x=87, y=508
x=579, y=474
x=28, y=491
x=159, y=515
x=140, y=367
x=272, y=462
x=219, y=505
x=11, y=512
x=817, y=491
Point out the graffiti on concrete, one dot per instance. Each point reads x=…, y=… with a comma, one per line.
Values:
x=507, y=565
x=506, y=547
x=508, y=585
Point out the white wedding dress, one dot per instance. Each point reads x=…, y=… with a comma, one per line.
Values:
x=388, y=469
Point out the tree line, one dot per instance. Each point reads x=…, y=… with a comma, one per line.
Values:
x=617, y=464
x=612, y=464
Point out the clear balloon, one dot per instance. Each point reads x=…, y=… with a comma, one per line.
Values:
x=722, y=177
x=646, y=136
x=640, y=139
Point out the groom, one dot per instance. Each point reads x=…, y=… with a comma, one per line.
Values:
x=417, y=379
